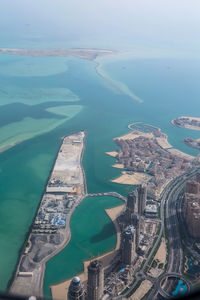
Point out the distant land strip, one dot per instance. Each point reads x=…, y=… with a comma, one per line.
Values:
x=89, y=54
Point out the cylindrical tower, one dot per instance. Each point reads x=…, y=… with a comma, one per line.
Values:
x=95, y=284
x=76, y=291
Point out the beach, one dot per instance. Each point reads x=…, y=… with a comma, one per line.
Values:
x=59, y=291
x=132, y=179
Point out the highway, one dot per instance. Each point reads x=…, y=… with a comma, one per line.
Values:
x=169, y=201
x=168, y=204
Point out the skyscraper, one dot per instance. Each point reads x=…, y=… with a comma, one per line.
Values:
x=137, y=232
x=76, y=291
x=95, y=284
x=132, y=199
x=128, y=245
x=142, y=196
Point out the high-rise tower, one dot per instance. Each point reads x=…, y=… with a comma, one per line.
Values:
x=128, y=245
x=142, y=196
x=132, y=199
x=95, y=284
x=76, y=291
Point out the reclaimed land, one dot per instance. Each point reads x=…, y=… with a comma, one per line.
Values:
x=192, y=143
x=50, y=231
x=145, y=156
x=89, y=54
x=192, y=123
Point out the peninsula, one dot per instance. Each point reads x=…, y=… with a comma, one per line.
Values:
x=143, y=256
x=187, y=122
x=145, y=156
x=50, y=231
x=89, y=54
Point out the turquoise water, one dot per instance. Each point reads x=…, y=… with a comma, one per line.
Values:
x=181, y=289
x=168, y=88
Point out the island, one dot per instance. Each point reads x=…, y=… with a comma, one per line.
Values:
x=89, y=54
x=192, y=143
x=50, y=231
x=187, y=122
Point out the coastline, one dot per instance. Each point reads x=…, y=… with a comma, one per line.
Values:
x=139, y=162
x=19, y=284
x=59, y=290
x=22, y=248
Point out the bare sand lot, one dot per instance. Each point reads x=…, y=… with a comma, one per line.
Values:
x=132, y=179
x=142, y=290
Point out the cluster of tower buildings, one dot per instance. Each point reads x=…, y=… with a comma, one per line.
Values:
x=191, y=206
x=130, y=227
x=133, y=218
x=95, y=284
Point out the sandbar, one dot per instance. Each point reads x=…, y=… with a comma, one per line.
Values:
x=89, y=54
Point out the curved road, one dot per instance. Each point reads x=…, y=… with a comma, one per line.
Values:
x=168, y=199
x=175, y=255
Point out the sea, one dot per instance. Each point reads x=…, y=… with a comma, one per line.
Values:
x=43, y=99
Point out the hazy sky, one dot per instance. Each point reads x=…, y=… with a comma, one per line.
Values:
x=171, y=22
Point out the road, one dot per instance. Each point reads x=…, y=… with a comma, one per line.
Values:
x=171, y=196
x=168, y=199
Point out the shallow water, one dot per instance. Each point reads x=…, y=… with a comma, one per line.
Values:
x=168, y=88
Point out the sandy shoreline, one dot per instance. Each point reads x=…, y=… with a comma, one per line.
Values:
x=137, y=176
x=132, y=179
x=112, y=153
x=59, y=290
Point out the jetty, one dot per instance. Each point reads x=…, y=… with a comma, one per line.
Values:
x=50, y=231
